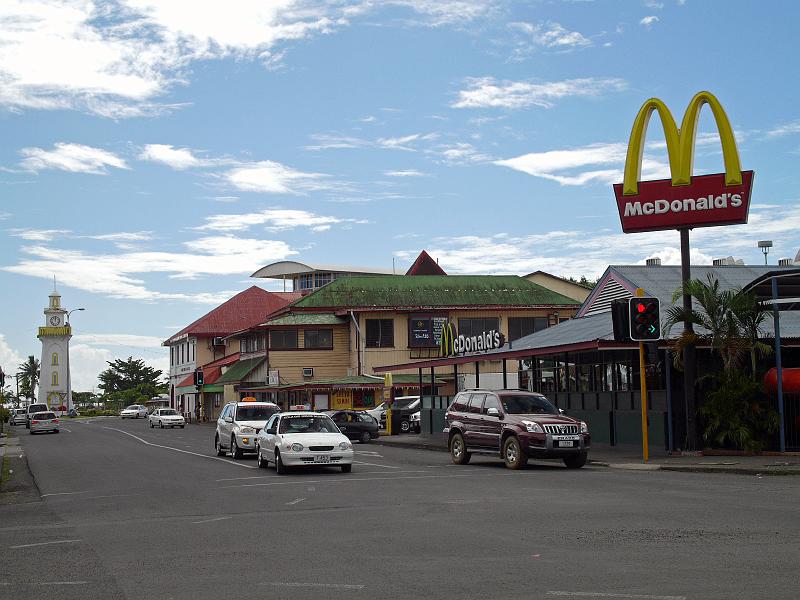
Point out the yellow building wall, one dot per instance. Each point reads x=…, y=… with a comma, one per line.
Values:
x=327, y=364
x=560, y=286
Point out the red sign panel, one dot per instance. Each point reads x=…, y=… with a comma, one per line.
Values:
x=705, y=202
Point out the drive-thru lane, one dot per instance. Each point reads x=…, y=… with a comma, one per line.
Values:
x=134, y=512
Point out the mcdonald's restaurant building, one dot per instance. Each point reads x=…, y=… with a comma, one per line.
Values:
x=323, y=350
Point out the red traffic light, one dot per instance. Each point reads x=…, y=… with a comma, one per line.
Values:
x=641, y=307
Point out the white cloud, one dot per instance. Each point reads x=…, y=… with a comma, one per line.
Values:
x=124, y=236
x=786, y=129
x=88, y=360
x=649, y=21
x=5, y=215
x=655, y=4
x=547, y=35
x=449, y=12
x=38, y=235
x=177, y=158
x=10, y=359
x=276, y=219
x=117, y=339
x=274, y=178
x=404, y=173
x=484, y=92
x=75, y=158
x=405, y=142
x=460, y=153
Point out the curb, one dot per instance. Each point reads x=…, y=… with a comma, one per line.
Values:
x=414, y=446
x=731, y=470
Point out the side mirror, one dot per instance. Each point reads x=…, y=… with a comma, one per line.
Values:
x=271, y=431
x=229, y=419
x=493, y=412
x=561, y=411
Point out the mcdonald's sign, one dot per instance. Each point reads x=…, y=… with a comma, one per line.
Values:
x=451, y=344
x=446, y=344
x=683, y=201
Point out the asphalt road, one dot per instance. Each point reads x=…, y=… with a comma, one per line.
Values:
x=133, y=512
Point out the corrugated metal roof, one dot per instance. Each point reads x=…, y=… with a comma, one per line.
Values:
x=432, y=291
x=238, y=371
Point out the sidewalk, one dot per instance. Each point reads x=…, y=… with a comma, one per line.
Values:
x=630, y=458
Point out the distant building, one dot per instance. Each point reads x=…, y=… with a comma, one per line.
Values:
x=308, y=277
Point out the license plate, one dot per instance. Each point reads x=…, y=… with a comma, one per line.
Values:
x=565, y=443
x=322, y=458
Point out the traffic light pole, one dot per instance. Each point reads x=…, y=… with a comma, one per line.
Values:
x=643, y=385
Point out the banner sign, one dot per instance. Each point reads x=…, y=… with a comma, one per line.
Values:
x=425, y=331
x=683, y=201
x=452, y=344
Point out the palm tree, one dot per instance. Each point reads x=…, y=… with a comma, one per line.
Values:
x=751, y=315
x=29, y=374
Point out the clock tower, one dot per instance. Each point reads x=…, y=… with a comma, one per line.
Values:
x=54, y=381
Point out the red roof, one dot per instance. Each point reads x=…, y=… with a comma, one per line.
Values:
x=186, y=382
x=224, y=361
x=425, y=265
x=244, y=310
x=213, y=370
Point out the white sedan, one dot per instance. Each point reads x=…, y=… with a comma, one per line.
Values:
x=166, y=417
x=297, y=439
x=134, y=411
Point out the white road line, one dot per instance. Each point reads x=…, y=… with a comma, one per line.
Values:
x=43, y=544
x=332, y=480
x=295, y=501
x=145, y=442
x=67, y=430
x=65, y=493
x=358, y=462
x=62, y=583
x=613, y=595
x=333, y=586
x=210, y=520
x=240, y=478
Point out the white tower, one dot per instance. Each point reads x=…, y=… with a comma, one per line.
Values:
x=54, y=364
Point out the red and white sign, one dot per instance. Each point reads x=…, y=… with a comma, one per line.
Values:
x=705, y=202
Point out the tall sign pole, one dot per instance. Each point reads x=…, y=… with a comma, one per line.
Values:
x=683, y=202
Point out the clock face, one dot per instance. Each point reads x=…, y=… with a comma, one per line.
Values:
x=55, y=320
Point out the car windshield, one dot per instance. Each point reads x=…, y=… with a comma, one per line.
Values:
x=403, y=403
x=168, y=412
x=255, y=413
x=132, y=407
x=34, y=408
x=527, y=405
x=307, y=424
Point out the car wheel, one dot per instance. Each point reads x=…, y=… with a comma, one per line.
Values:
x=151, y=425
x=55, y=431
x=218, y=447
x=513, y=455
x=458, y=450
x=576, y=461
x=161, y=424
x=182, y=426
x=405, y=426
x=236, y=452
x=417, y=429
x=260, y=462
x=347, y=468
x=279, y=468
x=364, y=438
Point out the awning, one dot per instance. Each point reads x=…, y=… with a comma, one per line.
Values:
x=213, y=389
x=355, y=382
x=187, y=389
x=787, y=288
x=238, y=371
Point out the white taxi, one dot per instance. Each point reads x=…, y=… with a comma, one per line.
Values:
x=134, y=411
x=166, y=417
x=296, y=439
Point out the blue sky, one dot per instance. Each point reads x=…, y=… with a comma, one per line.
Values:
x=154, y=154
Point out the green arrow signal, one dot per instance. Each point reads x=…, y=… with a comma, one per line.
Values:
x=652, y=328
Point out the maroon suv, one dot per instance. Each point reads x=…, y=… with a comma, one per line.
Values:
x=514, y=425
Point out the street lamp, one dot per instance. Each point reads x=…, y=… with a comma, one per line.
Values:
x=69, y=374
x=765, y=245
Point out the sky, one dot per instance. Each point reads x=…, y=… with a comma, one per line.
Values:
x=156, y=153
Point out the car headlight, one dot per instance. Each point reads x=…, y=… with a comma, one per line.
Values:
x=532, y=427
x=247, y=430
x=584, y=427
x=345, y=445
x=415, y=417
x=297, y=447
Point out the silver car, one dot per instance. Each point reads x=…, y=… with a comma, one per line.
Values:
x=166, y=417
x=238, y=425
x=34, y=408
x=44, y=421
x=134, y=411
x=18, y=416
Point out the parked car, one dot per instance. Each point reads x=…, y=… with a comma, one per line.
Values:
x=294, y=439
x=18, y=416
x=44, y=421
x=166, y=417
x=134, y=411
x=513, y=425
x=379, y=413
x=33, y=409
x=405, y=407
x=238, y=425
x=355, y=424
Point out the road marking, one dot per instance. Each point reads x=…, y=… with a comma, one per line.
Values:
x=240, y=478
x=295, y=501
x=44, y=544
x=358, y=462
x=369, y=453
x=331, y=480
x=613, y=595
x=65, y=493
x=67, y=430
x=62, y=583
x=145, y=442
x=210, y=520
x=333, y=586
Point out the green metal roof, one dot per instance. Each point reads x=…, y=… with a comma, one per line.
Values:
x=239, y=370
x=432, y=291
x=307, y=319
x=214, y=387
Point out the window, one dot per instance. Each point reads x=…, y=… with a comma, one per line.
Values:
x=321, y=279
x=54, y=360
x=475, y=403
x=252, y=344
x=471, y=327
x=271, y=423
x=380, y=333
x=318, y=338
x=519, y=327
x=283, y=339
x=54, y=378
x=305, y=281
x=460, y=402
x=491, y=402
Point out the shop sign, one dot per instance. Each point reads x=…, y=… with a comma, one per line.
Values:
x=425, y=332
x=452, y=344
x=341, y=399
x=682, y=202
x=273, y=378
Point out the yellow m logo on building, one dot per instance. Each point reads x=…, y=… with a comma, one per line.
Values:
x=446, y=345
x=680, y=142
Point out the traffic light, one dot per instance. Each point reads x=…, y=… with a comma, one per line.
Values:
x=198, y=378
x=645, y=319
x=619, y=319
x=2, y=379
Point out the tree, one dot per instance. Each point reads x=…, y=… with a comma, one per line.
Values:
x=29, y=378
x=128, y=374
